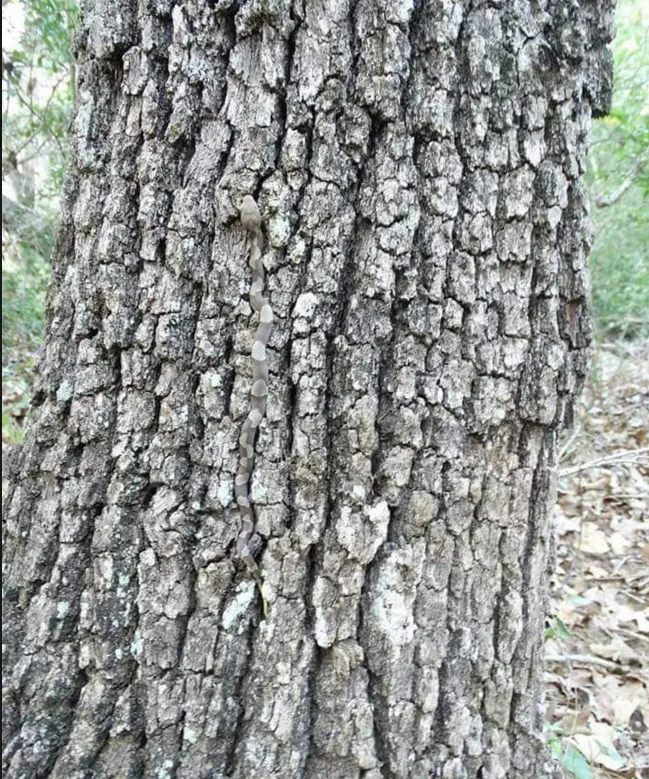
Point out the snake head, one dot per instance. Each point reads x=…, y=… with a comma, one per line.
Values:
x=249, y=214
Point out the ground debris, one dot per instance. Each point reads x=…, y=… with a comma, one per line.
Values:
x=597, y=652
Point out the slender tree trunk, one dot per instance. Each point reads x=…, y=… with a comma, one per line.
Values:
x=418, y=168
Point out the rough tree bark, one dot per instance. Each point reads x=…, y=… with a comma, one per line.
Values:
x=418, y=166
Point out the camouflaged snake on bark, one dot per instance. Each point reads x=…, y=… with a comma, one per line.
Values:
x=251, y=222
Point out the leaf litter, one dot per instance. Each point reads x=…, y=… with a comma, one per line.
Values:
x=597, y=650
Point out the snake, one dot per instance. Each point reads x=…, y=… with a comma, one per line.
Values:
x=250, y=217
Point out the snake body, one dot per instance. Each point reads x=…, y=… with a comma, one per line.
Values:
x=251, y=222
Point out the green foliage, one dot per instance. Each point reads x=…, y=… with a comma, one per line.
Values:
x=570, y=758
x=619, y=179
x=22, y=298
x=38, y=89
x=49, y=29
x=557, y=629
x=37, y=95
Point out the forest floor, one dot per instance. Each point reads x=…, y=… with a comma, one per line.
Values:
x=597, y=651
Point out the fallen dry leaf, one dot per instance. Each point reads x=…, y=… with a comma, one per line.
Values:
x=598, y=747
x=593, y=540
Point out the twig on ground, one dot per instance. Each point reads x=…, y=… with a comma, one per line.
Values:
x=611, y=459
x=587, y=660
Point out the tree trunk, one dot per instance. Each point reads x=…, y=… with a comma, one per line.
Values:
x=418, y=168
